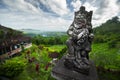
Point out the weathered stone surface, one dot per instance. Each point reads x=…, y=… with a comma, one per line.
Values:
x=60, y=72
x=76, y=64
x=79, y=41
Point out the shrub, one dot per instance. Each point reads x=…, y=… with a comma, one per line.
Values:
x=99, y=39
x=112, y=43
x=11, y=68
x=62, y=52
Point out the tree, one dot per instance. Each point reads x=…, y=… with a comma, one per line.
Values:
x=114, y=20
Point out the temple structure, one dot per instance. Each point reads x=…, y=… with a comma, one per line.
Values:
x=12, y=42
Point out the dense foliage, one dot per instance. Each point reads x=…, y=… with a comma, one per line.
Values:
x=12, y=68
x=108, y=33
x=6, y=33
x=49, y=40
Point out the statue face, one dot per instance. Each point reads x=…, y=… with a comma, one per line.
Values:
x=80, y=20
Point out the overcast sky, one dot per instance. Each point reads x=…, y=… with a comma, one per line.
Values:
x=53, y=15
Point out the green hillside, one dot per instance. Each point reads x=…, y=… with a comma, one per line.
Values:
x=108, y=33
x=106, y=49
x=111, y=26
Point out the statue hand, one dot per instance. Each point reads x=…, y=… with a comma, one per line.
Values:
x=75, y=37
x=81, y=34
x=91, y=35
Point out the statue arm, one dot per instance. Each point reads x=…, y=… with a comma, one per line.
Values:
x=71, y=33
x=81, y=34
x=84, y=33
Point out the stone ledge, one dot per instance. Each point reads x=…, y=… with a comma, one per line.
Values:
x=60, y=72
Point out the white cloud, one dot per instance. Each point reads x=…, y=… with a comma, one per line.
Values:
x=34, y=21
x=22, y=14
x=76, y=4
x=57, y=6
x=102, y=10
x=20, y=5
x=110, y=10
x=29, y=16
x=89, y=7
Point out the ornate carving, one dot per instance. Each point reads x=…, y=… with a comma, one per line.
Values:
x=79, y=43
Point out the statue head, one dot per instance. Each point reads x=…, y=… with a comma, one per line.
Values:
x=82, y=8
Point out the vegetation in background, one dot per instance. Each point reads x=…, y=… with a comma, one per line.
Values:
x=12, y=68
x=49, y=40
x=24, y=67
x=108, y=33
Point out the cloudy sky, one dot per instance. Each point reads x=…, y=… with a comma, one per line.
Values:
x=53, y=15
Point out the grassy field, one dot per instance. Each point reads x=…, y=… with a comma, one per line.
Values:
x=57, y=48
x=106, y=57
x=41, y=57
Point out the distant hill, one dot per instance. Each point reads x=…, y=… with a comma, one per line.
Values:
x=6, y=29
x=7, y=33
x=10, y=36
x=111, y=26
x=33, y=32
x=108, y=32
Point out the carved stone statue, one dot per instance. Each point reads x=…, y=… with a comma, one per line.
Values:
x=76, y=65
x=79, y=43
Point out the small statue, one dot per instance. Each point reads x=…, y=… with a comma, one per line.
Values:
x=79, y=43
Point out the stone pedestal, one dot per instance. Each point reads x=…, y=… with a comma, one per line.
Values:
x=60, y=72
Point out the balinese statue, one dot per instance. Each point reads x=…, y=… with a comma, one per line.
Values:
x=79, y=43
